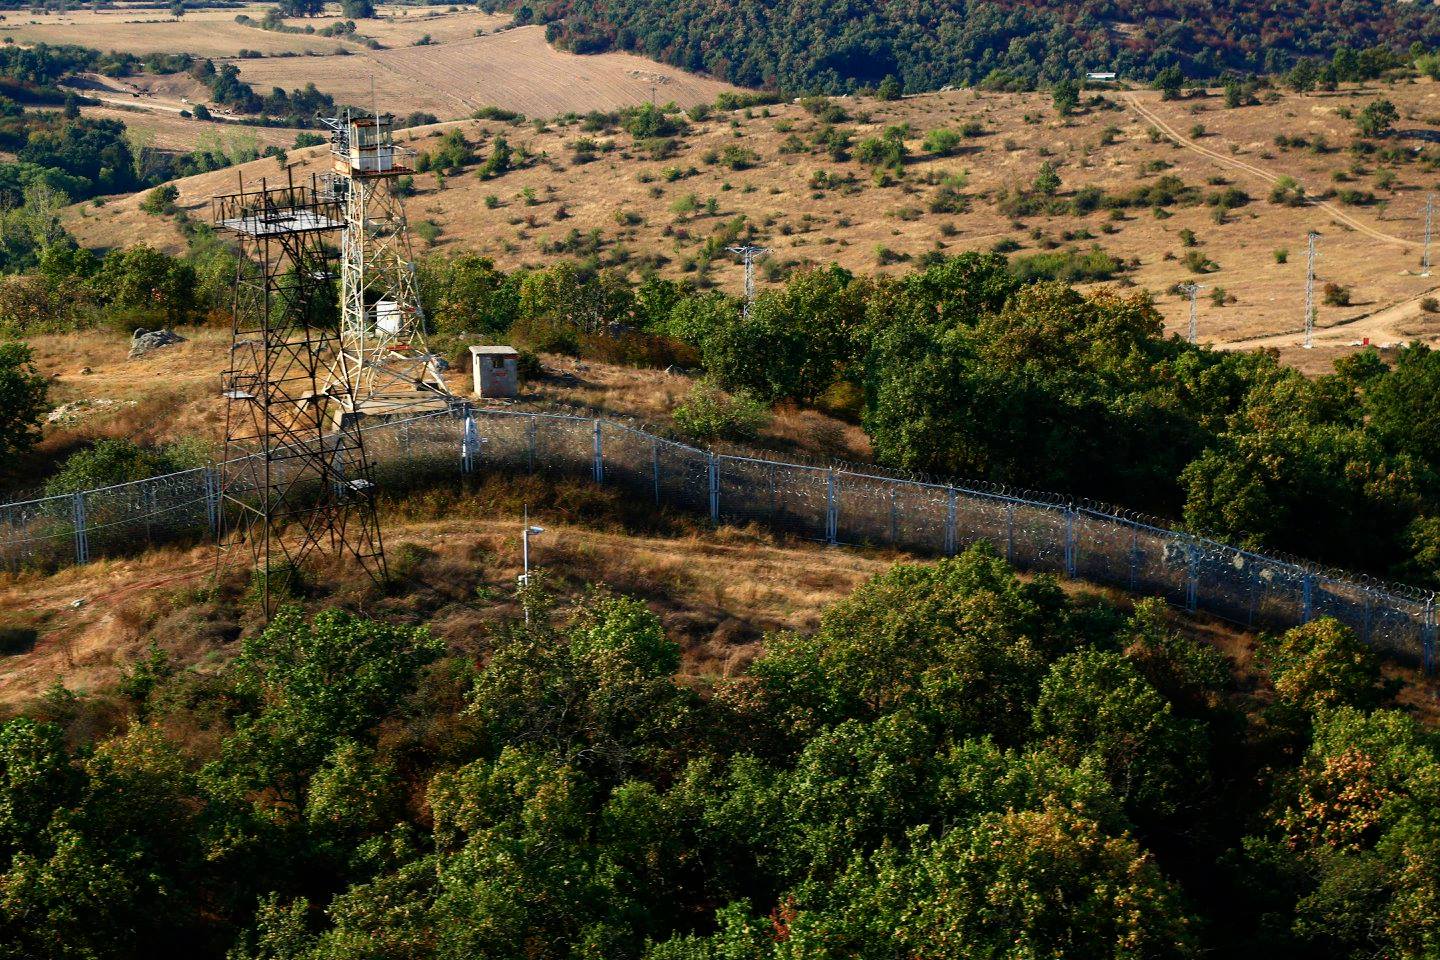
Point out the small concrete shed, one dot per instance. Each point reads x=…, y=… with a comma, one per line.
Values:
x=496, y=371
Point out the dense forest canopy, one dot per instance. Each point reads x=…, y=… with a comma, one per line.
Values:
x=956, y=763
x=834, y=45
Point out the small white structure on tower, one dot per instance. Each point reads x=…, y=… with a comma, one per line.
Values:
x=383, y=357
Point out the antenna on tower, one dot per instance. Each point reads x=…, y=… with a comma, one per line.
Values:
x=1190, y=290
x=1311, y=237
x=1429, y=215
x=749, y=252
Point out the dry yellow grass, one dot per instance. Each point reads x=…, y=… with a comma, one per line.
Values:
x=203, y=33
x=801, y=224
x=473, y=60
x=515, y=69
x=718, y=592
x=170, y=131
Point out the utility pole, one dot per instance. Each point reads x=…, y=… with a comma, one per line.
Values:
x=749, y=252
x=525, y=535
x=1310, y=290
x=1429, y=214
x=1190, y=290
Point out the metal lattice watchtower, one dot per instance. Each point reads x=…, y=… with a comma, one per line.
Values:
x=383, y=355
x=289, y=485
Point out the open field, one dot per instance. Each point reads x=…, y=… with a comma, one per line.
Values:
x=470, y=60
x=515, y=69
x=203, y=33
x=210, y=32
x=183, y=134
x=1372, y=249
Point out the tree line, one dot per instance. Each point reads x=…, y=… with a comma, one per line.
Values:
x=929, y=44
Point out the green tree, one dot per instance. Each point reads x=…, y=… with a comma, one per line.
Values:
x=942, y=141
x=1066, y=96
x=1033, y=883
x=500, y=160
x=148, y=284
x=1322, y=665
x=599, y=695
x=23, y=393
x=1097, y=704
x=889, y=88
x=113, y=461
x=963, y=641
x=794, y=342
x=1168, y=82
x=1047, y=181
x=1377, y=119
x=1353, y=849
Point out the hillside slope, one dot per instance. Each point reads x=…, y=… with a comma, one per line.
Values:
x=835, y=45
x=595, y=194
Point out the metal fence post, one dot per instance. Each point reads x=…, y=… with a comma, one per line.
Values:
x=1192, y=579
x=1134, y=557
x=1010, y=532
x=1070, y=564
x=950, y=524
x=655, y=468
x=599, y=455
x=714, y=483
x=212, y=499
x=82, y=541
x=530, y=442
x=468, y=438
x=1307, y=597
x=894, y=517
x=147, y=506
x=832, y=518
x=1427, y=637
x=1252, y=583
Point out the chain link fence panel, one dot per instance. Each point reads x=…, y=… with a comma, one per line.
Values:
x=841, y=506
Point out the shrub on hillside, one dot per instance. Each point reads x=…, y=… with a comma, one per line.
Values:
x=709, y=414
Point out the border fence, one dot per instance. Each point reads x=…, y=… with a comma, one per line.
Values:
x=829, y=504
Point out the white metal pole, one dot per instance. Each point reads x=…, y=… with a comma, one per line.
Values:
x=1429, y=214
x=1310, y=291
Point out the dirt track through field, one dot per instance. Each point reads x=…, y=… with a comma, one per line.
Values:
x=1266, y=175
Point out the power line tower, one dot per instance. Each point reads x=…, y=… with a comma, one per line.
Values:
x=1190, y=290
x=750, y=253
x=288, y=487
x=1310, y=238
x=382, y=358
x=1429, y=216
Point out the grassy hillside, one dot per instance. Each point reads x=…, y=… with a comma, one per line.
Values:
x=1189, y=202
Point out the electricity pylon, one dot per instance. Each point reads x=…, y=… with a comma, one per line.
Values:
x=749, y=252
x=1190, y=290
